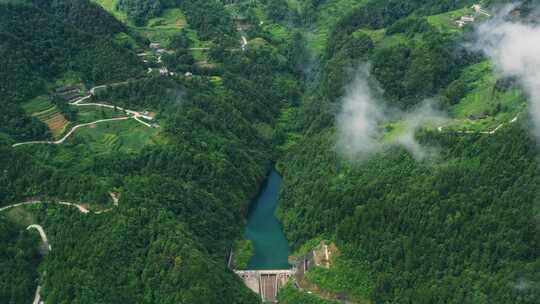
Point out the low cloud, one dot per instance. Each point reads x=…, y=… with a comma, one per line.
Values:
x=413, y=120
x=514, y=47
x=358, y=120
x=363, y=114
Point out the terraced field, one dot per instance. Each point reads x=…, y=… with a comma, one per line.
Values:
x=49, y=114
x=56, y=122
x=126, y=136
x=112, y=141
x=38, y=104
x=327, y=15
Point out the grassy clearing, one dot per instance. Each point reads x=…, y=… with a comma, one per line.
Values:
x=278, y=31
x=330, y=13
x=89, y=114
x=67, y=79
x=158, y=29
x=446, y=22
x=110, y=6
x=170, y=19
x=126, y=136
x=161, y=29
x=343, y=277
x=484, y=107
x=491, y=122
x=307, y=246
x=480, y=82
x=393, y=130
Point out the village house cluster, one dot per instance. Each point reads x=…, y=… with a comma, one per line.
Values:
x=158, y=51
x=464, y=20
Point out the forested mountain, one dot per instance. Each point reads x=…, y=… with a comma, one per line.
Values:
x=85, y=16
x=141, y=130
x=19, y=257
x=136, y=256
x=459, y=228
x=184, y=193
x=209, y=18
x=41, y=43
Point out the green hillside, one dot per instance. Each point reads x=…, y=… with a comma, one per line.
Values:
x=409, y=158
x=184, y=180
x=36, y=40
x=416, y=230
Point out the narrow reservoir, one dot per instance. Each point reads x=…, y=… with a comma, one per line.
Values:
x=271, y=249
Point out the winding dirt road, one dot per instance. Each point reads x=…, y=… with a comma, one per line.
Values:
x=80, y=103
x=491, y=132
x=61, y=140
x=93, y=90
x=37, y=297
x=42, y=234
x=80, y=207
x=45, y=240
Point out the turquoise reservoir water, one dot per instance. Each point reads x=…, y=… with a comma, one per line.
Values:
x=271, y=249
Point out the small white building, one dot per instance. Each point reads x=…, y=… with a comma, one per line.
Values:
x=163, y=71
x=465, y=20
x=154, y=46
x=479, y=10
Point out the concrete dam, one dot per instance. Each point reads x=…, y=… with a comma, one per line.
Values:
x=266, y=283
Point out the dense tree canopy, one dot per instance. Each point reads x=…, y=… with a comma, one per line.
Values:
x=184, y=197
x=19, y=258
x=460, y=227
x=454, y=229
